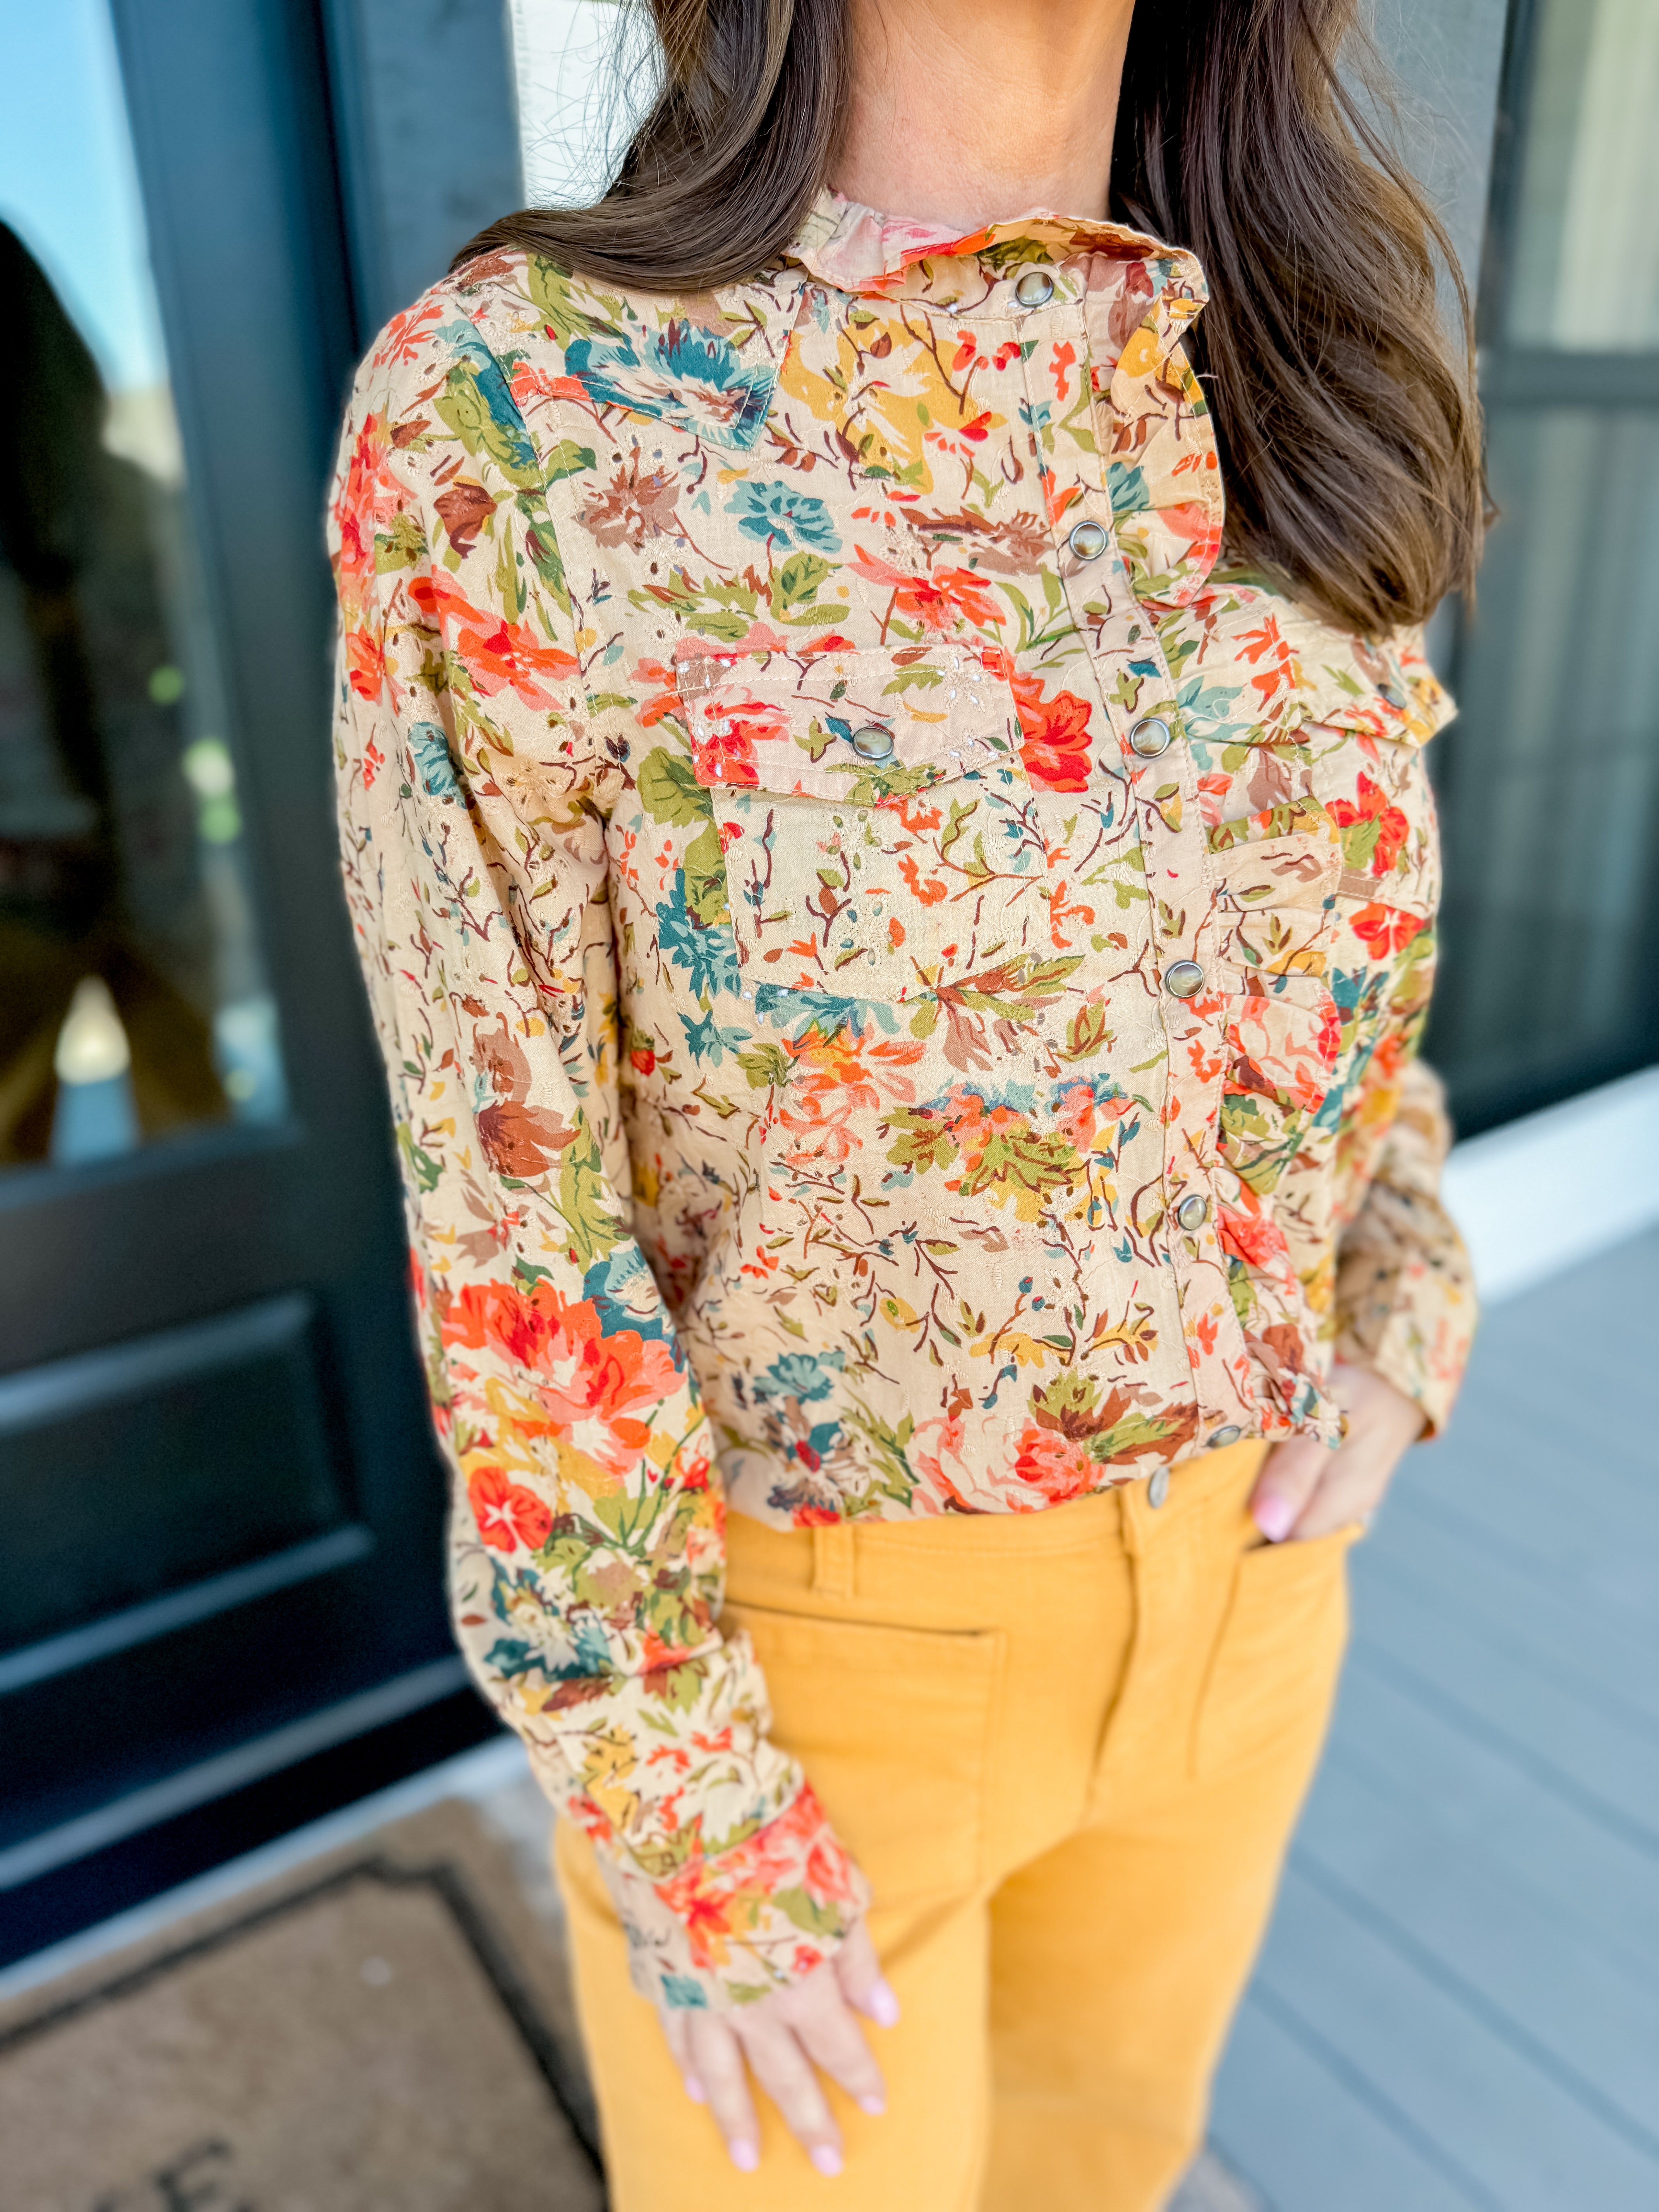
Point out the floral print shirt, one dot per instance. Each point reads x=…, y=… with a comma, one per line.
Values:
x=899, y=977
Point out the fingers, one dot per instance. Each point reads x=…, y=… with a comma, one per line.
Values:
x=783, y=2038
x=1286, y=1485
x=716, y=2061
x=781, y=2067
x=863, y=1984
x=677, y=2031
x=831, y=2038
x=1348, y=1496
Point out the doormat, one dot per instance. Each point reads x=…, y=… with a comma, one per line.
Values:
x=386, y=2032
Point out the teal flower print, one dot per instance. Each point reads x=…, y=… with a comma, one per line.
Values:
x=776, y=512
x=691, y=377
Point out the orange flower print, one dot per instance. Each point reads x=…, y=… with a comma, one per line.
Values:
x=1374, y=830
x=507, y=1513
x=1384, y=930
x=1055, y=736
x=1053, y=1465
x=498, y=656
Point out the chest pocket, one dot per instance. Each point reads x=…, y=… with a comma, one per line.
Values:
x=875, y=821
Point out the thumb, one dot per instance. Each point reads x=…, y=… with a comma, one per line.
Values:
x=862, y=1982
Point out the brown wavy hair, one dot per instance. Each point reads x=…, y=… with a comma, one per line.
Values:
x=1349, y=432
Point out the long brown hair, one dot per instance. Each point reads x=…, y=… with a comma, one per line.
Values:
x=1349, y=433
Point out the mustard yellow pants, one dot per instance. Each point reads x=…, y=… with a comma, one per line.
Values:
x=1068, y=1749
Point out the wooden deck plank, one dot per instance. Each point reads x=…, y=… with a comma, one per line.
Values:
x=1599, y=1882
x=1534, y=1979
x=1597, y=1554
x=1492, y=2112
x=1530, y=1687
x=1307, y=2133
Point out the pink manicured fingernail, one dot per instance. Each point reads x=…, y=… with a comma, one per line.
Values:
x=882, y=2005
x=744, y=2157
x=694, y=2090
x=826, y=2158
x=874, y=2105
x=1275, y=1517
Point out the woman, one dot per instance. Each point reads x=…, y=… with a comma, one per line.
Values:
x=888, y=832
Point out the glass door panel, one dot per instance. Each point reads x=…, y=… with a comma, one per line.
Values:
x=1585, y=267
x=134, y=1002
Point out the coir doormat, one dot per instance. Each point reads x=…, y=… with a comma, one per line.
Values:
x=384, y=2032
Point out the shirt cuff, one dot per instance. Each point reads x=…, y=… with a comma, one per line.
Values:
x=720, y=1932
x=1405, y=1293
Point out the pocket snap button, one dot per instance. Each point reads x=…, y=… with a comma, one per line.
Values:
x=872, y=742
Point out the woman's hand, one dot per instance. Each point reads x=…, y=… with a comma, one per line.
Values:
x=784, y=2037
x=1307, y=1490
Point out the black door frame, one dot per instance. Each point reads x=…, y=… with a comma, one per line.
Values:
x=145, y=1746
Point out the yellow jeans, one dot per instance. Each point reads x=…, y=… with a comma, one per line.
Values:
x=1068, y=1749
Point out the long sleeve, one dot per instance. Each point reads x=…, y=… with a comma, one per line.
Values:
x=1404, y=1290
x=587, y=1550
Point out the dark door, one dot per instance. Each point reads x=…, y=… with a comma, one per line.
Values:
x=1550, y=779
x=219, y=1499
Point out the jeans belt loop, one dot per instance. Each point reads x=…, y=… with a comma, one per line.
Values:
x=833, y=1560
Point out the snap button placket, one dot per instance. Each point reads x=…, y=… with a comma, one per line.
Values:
x=1183, y=979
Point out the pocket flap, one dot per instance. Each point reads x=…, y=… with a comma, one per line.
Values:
x=1268, y=667
x=1387, y=691
x=861, y=726
x=1299, y=870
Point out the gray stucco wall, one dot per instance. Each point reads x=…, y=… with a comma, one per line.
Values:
x=1447, y=55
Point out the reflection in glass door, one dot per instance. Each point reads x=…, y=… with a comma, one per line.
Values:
x=133, y=999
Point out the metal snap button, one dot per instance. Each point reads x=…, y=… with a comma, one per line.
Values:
x=1088, y=540
x=1034, y=289
x=1183, y=979
x=1192, y=1212
x=872, y=742
x=1228, y=1433
x=1158, y=1488
x=1149, y=737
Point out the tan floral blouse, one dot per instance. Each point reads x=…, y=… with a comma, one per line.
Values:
x=899, y=980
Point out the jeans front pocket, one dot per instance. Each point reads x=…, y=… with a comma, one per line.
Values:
x=892, y=1726
x=1272, y=1673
